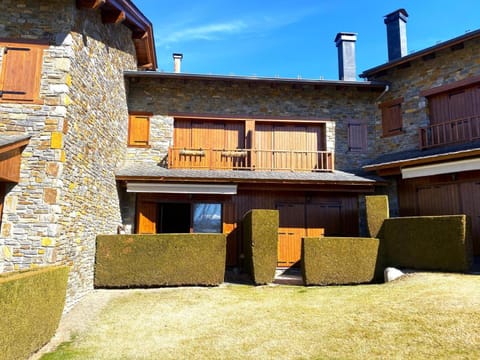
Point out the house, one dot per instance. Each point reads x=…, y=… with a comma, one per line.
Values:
x=213, y=147
x=63, y=127
x=429, y=126
x=95, y=141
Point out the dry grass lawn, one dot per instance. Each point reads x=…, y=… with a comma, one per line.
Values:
x=422, y=316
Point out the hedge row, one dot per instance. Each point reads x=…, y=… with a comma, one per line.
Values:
x=260, y=236
x=428, y=243
x=32, y=304
x=338, y=260
x=160, y=260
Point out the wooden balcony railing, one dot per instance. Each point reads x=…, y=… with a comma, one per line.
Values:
x=451, y=132
x=250, y=159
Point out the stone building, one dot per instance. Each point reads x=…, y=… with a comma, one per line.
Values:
x=94, y=141
x=63, y=90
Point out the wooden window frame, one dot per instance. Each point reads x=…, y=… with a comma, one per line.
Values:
x=130, y=140
x=387, y=128
x=33, y=84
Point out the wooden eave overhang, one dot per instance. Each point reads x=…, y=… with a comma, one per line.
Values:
x=10, y=157
x=395, y=167
x=277, y=184
x=376, y=86
x=125, y=12
x=425, y=54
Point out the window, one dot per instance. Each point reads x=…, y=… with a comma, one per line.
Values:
x=179, y=217
x=21, y=72
x=139, y=130
x=357, y=136
x=207, y=218
x=392, y=117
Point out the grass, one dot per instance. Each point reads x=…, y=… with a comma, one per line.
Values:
x=422, y=316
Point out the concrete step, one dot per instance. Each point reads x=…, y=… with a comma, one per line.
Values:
x=288, y=276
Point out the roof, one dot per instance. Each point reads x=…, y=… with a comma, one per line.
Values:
x=417, y=157
x=8, y=142
x=125, y=12
x=154, y=172
x=422, y=53
x=373, y=85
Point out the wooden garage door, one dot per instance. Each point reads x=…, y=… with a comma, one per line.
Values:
x=451, y=199
x=290, y=233
x=297, y=221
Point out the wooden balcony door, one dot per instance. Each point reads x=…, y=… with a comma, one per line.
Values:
x=288, y=146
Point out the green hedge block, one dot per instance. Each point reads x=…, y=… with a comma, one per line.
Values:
x=160, y=260
x=429, y=242
x=260, y=240
x=338, y=260
x=32, y=304
x=377, y=211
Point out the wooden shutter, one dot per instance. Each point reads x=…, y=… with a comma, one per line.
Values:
x=21, y=72
x=392, y=117
x=138, y=130
x=357, y=137
x=147, y=218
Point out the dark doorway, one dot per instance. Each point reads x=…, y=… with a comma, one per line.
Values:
x=173, y=218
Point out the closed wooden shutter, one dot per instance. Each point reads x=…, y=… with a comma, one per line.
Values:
x=21, y=72
x=357, y=137
x=139, y=130
x=147, y=218
x=391, y=117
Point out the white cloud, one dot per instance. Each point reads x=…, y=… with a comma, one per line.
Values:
x=184, y=30
x=204, y=32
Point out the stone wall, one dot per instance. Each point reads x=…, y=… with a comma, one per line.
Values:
x=67, y=193
x=31, y=212
x=253, y=99
x=94, y=139
x=446, y=67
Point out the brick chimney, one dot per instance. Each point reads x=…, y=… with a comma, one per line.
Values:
x=346, y=56
x=177, y=62
x=396, y=34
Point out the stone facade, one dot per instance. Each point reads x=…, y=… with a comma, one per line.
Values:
x=236, y=98
x=407, y=82
x=67, y=193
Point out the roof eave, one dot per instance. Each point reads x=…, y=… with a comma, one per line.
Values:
x=422, y=53
x=124, y=11
x=374, y=85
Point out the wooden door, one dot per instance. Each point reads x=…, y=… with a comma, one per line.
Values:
x=470, y=195
x=147, y=218
x=290, y=233
x=438, y=200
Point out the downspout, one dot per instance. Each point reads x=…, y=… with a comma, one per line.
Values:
x=387, y=89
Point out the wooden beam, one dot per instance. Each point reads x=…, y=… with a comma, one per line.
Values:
x=90, y=4
x=113, y=16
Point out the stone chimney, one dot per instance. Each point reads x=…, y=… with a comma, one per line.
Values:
x=396, y=34
x=346, y=56
x=177, y=62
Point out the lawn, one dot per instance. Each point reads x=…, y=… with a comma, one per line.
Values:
x=422, y=316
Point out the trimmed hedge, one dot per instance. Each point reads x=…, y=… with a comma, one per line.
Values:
x=428, y=242
x=160, y=260
x=338, y=260
x=32, y=304
x=260, y=244
x=377, y=211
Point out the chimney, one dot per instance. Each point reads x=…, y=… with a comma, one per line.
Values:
x=396, y=34
x=177, y=62
x=346, y=56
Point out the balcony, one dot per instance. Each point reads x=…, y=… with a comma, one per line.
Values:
x=450, y=132
x=250, y=159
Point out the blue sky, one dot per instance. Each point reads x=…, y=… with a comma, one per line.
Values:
x=295, y=38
